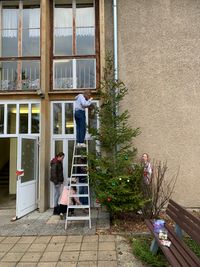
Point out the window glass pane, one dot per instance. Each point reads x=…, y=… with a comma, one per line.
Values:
x=9, y=32
x=58, y=146
x=85, y=69
x=30, y=75
x=85, y=29
x=35, y=118
x=69, y=118
x=63, y=77
x=31, y=32
x=70, y=154
x=11, y=127
x=57, y=118
x=8, y=75
x=1, y=119
x=92, y=116
x=63, y=29
x=28, y=162
x=23, y=118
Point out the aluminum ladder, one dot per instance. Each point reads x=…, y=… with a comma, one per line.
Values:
x=80, y=179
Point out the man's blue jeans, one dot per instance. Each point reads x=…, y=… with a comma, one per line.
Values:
x=57, y=191
x=80, y=125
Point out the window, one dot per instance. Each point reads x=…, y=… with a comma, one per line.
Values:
x=20, y=45
x=19, y=118
x=75, y=44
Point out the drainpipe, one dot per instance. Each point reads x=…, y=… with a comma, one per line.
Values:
x=115, y=38
x=115, y=33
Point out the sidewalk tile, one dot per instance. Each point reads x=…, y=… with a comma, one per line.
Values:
x=69, y=264
x=58, y=239
x=19, y=247
x=37, y=247
x=26, y=264
x=5, y=247
x=47, y=264
x=106, y=238
x=74, y=238
x=10, y=239
x=87, y=264
x=90, y=238
x=27, y=239
x=69, y=256
x=88, y=255
x=89, y=246
x=50, y=256
x=107, y=263
x=2, y=254
x=72, y=246
x=42, y=239
x=7, y=264
x=31, y=256
x=107, y=246
x=55, y=247
x=107, y=255
x=13, y=256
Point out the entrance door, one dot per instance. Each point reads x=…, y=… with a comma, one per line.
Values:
x=27, y=183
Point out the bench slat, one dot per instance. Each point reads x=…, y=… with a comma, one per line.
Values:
x=170, y=257
x=178, y=254
x=185, y=223
x=185, y=251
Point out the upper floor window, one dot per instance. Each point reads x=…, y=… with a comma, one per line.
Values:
x=74, y=44
x=19, y=45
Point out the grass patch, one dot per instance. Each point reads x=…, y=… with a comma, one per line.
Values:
x=141, y=250
x=141, y=245
x=193, y=246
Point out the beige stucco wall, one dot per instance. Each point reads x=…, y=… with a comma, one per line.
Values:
x=159, y=60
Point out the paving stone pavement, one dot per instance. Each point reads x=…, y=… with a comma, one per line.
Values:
x=39, y=239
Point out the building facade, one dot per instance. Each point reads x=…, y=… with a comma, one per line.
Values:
x=51, y=50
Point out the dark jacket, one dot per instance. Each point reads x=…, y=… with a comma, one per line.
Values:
x=56, y=175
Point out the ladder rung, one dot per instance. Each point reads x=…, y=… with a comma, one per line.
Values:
x=79, y=195
x=79, y=174
x=80, y=184
x=80, y=165
x=78, y=206
x=80, y=156
x=77, y=218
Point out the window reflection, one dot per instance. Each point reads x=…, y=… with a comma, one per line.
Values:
x=23, y=118
x=8, y=75
x=69, y=118
x=30, y=75
x=85, y=29
x=1, y=119
x=57, y=118
x=63, y=74
x=11, y=116
x=31, y=31
x=35, y=118
x=85, y=69
x=63, y=29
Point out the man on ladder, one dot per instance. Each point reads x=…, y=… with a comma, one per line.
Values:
x=82, y=102
x=80, y=162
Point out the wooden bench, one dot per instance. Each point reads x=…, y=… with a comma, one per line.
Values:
x=178, y=254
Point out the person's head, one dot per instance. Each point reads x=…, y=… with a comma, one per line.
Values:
x=145, y=157
x=87, y=94
x=60, y=156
